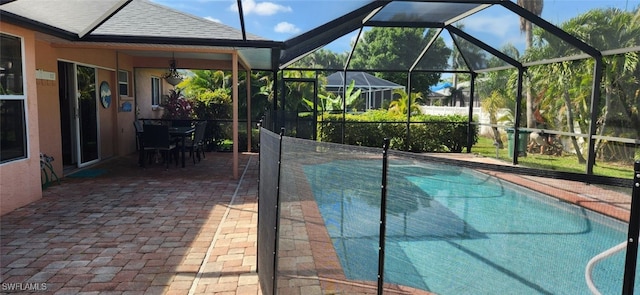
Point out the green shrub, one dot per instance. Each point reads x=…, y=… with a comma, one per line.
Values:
x=427, y=133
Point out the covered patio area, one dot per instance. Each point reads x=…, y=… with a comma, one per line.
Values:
x=120, y=228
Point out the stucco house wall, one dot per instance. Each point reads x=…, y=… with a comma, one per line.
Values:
x=143, y=92
x=21, y=179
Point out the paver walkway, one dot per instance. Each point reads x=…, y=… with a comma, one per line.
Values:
x=131, y=230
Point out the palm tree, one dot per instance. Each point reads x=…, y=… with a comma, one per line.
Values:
x=615, y=29
x=526, y=27
x=400, y=104
x=495, y=96
x=603, y=29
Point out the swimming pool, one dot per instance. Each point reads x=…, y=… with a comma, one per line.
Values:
x=452, y=230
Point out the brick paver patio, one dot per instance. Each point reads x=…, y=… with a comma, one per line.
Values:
x=138, y=231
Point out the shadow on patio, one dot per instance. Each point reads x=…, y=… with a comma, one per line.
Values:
x=139, y=230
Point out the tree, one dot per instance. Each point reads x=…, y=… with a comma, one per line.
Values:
x=535, y=6
x=397, y=49
x=322, y=59
x=603, y=29
x=497, y=97
x=330, y=102
x=401, y=104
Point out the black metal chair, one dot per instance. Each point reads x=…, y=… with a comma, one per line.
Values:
x=139, y=127
x=156, y=138
x=195, y=145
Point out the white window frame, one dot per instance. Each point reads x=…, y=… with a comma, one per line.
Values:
x=156, y=91
x=123, y=82
x=21, y=97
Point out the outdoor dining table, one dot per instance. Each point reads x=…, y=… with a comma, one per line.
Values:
x=183, y=133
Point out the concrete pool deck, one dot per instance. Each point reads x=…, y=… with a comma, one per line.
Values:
x=613, y=203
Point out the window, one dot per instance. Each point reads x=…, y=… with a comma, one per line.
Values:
x=123, y=83
x=13, y=131
x=155, y=91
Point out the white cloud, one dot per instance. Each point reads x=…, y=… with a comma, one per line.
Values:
x=213, y=19
x=260, y=8
x=492, y=25
x=285, y=27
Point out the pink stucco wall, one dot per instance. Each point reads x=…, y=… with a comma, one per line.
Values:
x=20, y=180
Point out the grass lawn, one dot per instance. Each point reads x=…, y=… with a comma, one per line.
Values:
x=566, y=162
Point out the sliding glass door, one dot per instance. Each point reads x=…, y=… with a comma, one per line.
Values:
x=87, y=118
x=78, y=114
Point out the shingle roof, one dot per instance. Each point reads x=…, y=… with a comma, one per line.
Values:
x=362, y=80
x=70, y=15
x=143, y=18
x=137, y=18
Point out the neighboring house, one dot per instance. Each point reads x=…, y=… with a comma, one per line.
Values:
x=374, y=90
x=75, y=74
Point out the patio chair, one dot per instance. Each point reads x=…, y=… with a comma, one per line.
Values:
x=196, y=144
x=156, y=138
x=138, y=125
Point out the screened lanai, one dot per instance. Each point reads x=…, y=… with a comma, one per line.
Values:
x=523, y=83
x=369, y=208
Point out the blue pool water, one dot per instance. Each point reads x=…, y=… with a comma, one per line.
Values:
x=456, y=231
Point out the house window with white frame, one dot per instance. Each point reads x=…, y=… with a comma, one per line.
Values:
x=156, y=91
x=123, y=83
x=13, y=124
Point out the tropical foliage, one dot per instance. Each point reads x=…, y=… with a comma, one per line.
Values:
x=177, y=106
x=331, y=102
x=561, y=92
x=565, y=88
x=395, y=49
x=403, y=102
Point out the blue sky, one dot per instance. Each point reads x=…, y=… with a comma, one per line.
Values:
x=283, y=19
